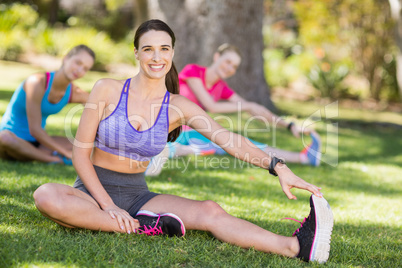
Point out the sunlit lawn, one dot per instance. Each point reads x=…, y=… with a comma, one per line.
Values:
x=360, y=177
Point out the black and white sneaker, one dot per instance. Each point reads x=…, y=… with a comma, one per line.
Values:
x=159, y=224
x=314, y=234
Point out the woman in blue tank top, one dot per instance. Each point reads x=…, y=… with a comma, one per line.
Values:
x=22, y=128
x=130, y=121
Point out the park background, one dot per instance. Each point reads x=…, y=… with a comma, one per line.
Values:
x=331, y=63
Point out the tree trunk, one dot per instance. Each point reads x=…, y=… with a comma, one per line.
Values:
x=396, y=11
x=201, y=26
x=53, y=12
x=141, y=12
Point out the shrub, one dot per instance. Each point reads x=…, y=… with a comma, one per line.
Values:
x=17, y=16
x=327, y=78
x=14, y=22
x=281, y=70
x=22, y=31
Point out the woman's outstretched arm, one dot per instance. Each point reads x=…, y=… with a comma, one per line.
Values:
x=238, y=146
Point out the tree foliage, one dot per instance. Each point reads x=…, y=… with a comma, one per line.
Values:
x=356, y=34
x=361, y=31
x=22, y=30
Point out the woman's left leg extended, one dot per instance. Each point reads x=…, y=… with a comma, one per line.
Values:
x=209, y=216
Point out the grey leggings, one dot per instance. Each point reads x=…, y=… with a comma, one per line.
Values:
x=128, y=191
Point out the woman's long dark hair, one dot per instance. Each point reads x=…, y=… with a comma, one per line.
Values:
x=172, y=78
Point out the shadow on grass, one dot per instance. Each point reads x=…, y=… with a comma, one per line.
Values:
x=355, y=181
x=349, y=123
x=37, y=170
x=19, y=180
x=367, y=142
x=212, y=183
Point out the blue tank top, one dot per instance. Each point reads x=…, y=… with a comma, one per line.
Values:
x=117, y=136
x=15, y=118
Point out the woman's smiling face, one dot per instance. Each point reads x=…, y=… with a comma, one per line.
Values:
x=227, y=64
x=155, y=54
x=77, y=65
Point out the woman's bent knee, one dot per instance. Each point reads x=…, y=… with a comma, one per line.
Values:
x=46, y=198
x=208, y=214
x=211, y=210
x=212, y=207
x=7, y=138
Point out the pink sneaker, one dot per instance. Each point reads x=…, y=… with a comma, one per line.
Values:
x=159, y=224
x=314, y=234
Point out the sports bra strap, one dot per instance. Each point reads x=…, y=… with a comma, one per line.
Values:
x=126, y=86
x=47, y=80
x=167, y=97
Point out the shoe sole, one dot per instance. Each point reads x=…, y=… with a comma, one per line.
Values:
x=149, y=213
x=323, y=230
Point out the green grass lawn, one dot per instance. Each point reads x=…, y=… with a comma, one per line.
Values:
x=360, y=177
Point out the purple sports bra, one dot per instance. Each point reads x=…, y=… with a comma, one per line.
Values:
x=117, y=136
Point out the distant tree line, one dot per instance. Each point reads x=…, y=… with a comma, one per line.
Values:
x=363, y=35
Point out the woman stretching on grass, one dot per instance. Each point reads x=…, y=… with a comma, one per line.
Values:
x=22, y=129
x=130, y=121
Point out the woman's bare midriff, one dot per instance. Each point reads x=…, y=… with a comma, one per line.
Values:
x=117, y=163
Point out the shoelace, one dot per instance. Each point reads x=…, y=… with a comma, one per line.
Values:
x=301, y=223
x=149, y=230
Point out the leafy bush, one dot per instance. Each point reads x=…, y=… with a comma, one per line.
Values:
x=17, y=16
x=390, y=88
x=362, y=31
x=58, y=42
x=10, y=47
x=15, y=20
x=22, y=31
x=285, y=59
x=273, y=61
x=327, y=78
x=281, y=70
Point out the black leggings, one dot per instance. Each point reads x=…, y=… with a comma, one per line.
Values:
x=128, y=191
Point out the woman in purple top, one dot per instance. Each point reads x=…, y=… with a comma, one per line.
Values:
x=110, y=192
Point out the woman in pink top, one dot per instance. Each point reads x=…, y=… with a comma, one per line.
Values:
x=206, y=87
